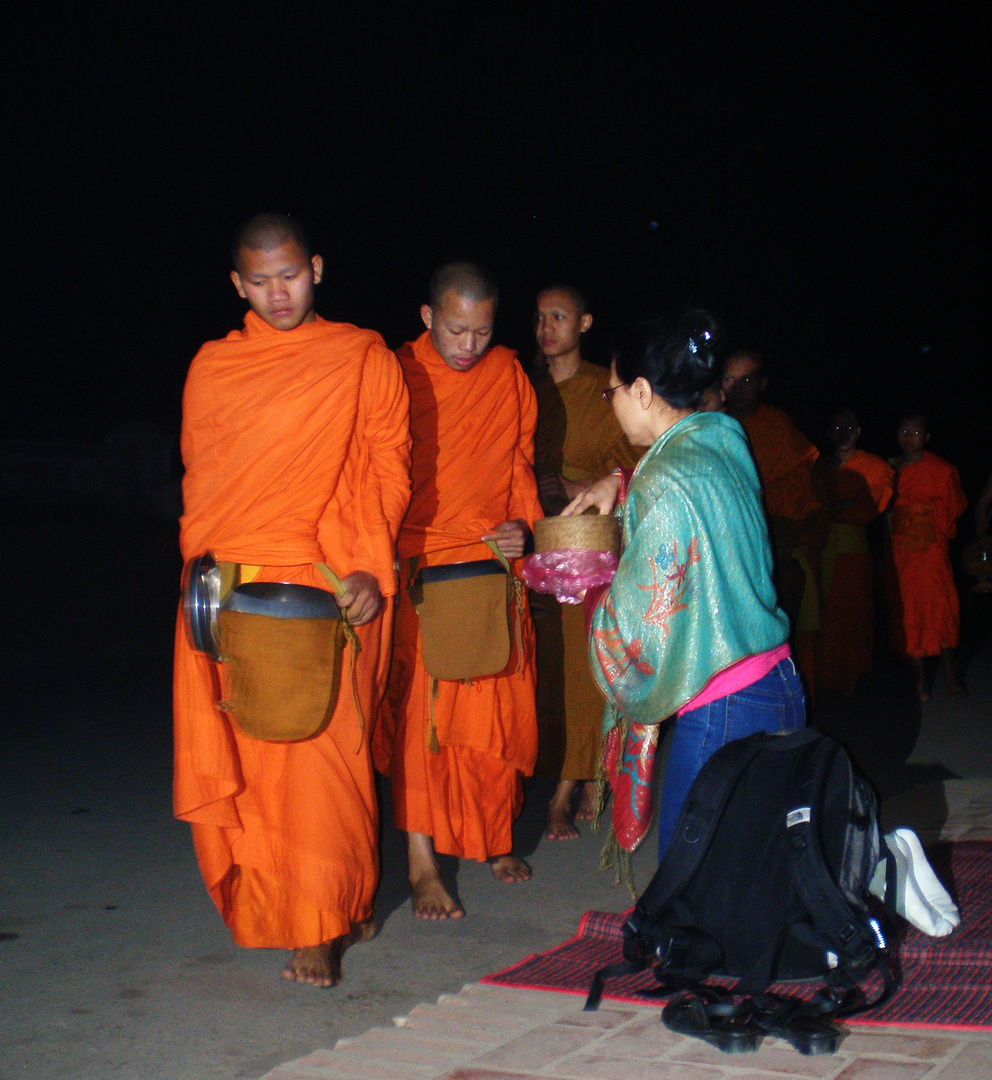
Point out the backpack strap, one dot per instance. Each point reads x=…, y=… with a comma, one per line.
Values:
x=700, y=816
x=689, y=953
x=624, y=967
x=830, y=912
x=704, y=806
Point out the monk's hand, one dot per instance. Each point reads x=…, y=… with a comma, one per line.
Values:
x=574, y=488
x=602, y=495
x=360, y=597
x=551, y=489
x=510, y=537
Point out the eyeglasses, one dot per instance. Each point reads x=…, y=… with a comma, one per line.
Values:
x=611, y=390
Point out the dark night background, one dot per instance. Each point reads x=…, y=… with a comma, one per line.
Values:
x=816, y=173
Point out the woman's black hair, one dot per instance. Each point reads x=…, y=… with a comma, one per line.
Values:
x=677, y=356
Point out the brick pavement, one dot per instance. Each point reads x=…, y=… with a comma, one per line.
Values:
x=499, y=1033
x=496, y=1033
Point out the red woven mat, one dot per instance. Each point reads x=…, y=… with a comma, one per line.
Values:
x=946, y=982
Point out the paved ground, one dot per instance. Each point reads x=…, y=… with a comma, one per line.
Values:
x=488, y=1033
x=113, y=963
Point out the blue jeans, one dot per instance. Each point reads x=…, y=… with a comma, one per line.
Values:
x=775, y=703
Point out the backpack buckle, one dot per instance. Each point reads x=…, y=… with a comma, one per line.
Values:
x=677, y=952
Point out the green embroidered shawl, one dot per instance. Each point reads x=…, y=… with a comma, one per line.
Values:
x=693, y=593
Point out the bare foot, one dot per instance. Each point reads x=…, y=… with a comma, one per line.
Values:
x=588, y=802
x=430, y=899
x=559, y=826
x=320, y=965
x=955, y=690
x=510, y=869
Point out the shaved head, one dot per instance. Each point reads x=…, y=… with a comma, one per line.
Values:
x=267, y=231
x=464, y=279
x=575, y=295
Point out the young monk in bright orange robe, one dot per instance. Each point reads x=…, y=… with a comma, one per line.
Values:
x=578, y=440
x=924, y=611
x=296, y=445
x=796, y=522
x=472, y=416
x=857, y=488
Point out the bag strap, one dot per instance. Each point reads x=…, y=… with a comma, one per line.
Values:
x=707, y=800
x=827, y=907
x=351, y=637
x=518, y=606
x=624, y=967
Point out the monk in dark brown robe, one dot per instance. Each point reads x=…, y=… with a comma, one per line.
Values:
x=578, y=440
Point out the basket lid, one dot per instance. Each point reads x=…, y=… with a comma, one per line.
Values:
x=583, y=532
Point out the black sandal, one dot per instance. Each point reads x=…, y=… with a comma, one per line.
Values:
x=805, y=1027
x=718, y=1021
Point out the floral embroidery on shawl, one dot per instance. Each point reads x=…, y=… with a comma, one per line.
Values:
x=666, y=598
x=615, y=658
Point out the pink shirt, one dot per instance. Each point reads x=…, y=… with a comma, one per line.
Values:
x=737, y=677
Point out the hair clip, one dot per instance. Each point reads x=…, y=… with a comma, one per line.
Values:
x=692, y=347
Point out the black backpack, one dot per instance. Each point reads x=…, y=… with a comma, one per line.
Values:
x=765, y=881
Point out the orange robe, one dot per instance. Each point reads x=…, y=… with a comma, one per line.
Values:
x=785, y=460
x=296, y=446
x=473, y=440
x=577, y=437
x=864, y=483
x=924, y=614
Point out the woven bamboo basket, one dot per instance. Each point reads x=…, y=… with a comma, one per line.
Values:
x=585, y=532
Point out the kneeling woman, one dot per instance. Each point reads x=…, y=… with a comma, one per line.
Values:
x=690, y=627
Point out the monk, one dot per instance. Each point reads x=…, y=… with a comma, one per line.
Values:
x=456, y=751
x=712, y=400
x=796, y=523
x=924, y=611
x=578, y=440
x=856, y=487
x=296, y=444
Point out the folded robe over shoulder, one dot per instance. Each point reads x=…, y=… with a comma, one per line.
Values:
x=296, y=447
x=924, y=612
x=784, y=457
x=473, y=439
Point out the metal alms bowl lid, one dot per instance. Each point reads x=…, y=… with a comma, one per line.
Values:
x=200, y=601
x=281, y=600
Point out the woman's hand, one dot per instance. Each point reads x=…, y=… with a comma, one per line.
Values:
x=602, y=495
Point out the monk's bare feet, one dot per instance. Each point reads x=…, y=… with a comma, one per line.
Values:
x=320, y=965
x=510, y=869
x=430, y=899
x=559, y=825
x=588, y=802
